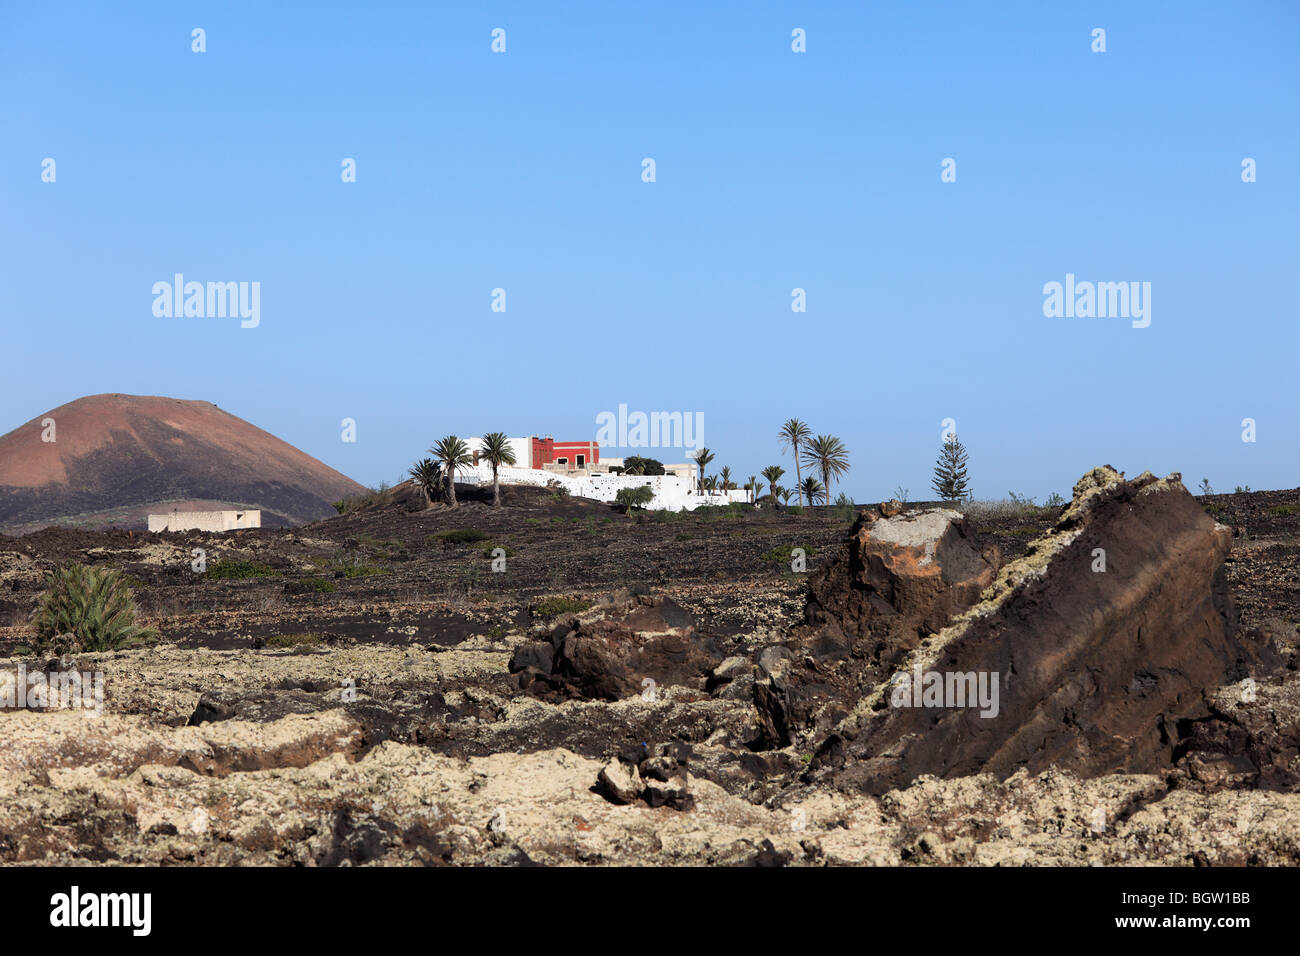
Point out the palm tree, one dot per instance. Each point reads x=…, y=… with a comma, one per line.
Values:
x=452, y=453
x=726, y=479
x=792, y=434
x=496, y=451
x=814, y=489
x=752, y=487
x=827, y=453
x=785, y=494
x=702, y=459
x=773, y=474
x=428, y=478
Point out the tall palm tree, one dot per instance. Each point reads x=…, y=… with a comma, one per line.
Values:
x=702, y=459
x=753, y=488
x=827, y=453
x=428, y=478
x=793, y=434
x=726, y=479
x=773, y=474
x=814, y=489
x=452, y=453
x=496, y=451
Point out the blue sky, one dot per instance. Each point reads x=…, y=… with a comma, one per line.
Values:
x=775, y=170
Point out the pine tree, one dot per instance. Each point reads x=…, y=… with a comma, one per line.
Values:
x=950, y=480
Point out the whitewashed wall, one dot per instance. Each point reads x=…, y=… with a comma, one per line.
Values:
x=672, y=493
x=205, y=520
x=522, y=447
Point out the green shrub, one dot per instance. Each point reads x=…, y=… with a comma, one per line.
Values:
x=383, y=548
x=637, y=497
x=555, y=606
x=461, y=536
x=734, y=509
x=240, y=570
x=356, y=502
x=794, y=510
x=783, y=553
x=323, y=585
x=294, y=640
x=1284, y=510
x=637, y=465
x=87, y=609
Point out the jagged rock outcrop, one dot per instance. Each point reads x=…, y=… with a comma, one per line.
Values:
x=1085, y=653
x=896, y=580
x=900, y=578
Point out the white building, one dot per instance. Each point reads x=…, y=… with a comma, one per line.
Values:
x=672, y=492
x=205, y=520
x=522, y=447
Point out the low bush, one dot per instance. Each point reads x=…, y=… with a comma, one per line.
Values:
x=294, y=640
x=555, y=606
x=784, y=553
x=638, y=497
x=461, y=536
x=240, y=570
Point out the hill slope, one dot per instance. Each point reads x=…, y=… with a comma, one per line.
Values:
x=115, y=456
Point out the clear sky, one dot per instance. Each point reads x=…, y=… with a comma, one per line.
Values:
x=774, y=170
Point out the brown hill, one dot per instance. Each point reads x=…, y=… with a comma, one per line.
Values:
x=116, y=457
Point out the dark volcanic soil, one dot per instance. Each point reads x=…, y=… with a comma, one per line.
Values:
x=404, y=605
x=387, y=575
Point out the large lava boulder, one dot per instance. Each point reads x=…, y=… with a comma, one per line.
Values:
x=900, y=578
x=627, y=645
x=895, y=580
x=1085, y=654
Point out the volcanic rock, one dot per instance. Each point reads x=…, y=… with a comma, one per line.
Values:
x=620, y=782
x=666, y=777
x=1249, y=738
x=1111, y=629
x=900, y=578
x=630, y=644
x=895, y=580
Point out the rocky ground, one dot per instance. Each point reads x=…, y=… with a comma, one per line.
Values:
x=674, y=689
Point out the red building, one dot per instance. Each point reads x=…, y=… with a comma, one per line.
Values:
x=573, y=454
